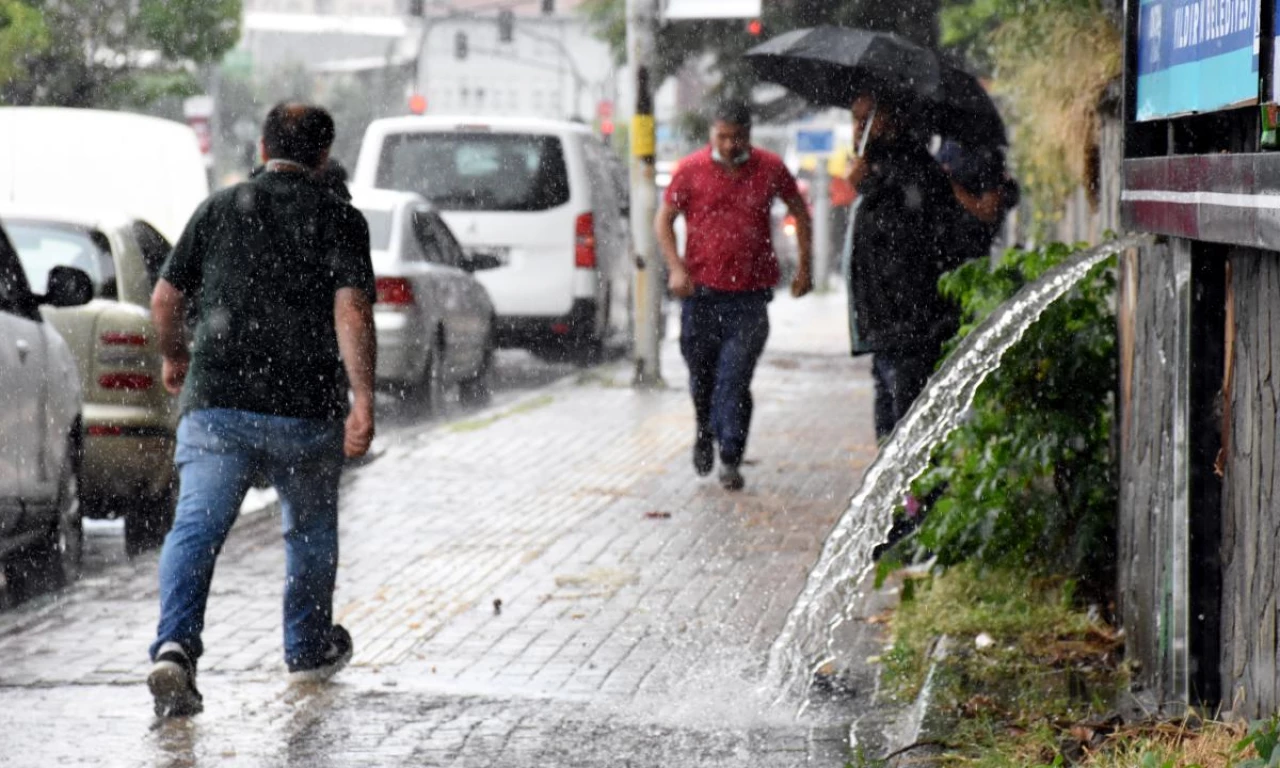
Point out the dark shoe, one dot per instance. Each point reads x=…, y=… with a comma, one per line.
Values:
x=173, y=683
x=704, y=453
x=335, y=658
x=731, y=478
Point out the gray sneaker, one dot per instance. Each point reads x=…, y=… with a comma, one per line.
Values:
x=173, y=683
x=335, y=658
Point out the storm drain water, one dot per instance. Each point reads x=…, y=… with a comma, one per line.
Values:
x=806, y=643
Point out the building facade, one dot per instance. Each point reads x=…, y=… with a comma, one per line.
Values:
x=464, y=56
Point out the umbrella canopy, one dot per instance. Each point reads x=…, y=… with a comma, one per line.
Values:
x=832, y=65
x=961, y=109
x=829, y=66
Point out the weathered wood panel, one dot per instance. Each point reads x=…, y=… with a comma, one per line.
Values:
x=1251, y=500
x=1153, y=317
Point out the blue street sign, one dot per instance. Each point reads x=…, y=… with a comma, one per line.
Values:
x=1196, y=56
x=815, y=142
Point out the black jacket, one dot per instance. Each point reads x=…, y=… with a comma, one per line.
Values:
x=909, y=229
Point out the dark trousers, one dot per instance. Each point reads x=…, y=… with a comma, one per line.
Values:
x=721, y=338
x=900, y=376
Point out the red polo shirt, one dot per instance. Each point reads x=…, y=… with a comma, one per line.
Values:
x=729, y=242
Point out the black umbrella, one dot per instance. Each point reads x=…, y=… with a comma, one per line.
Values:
x=832, y=65
x=961, y=109
x=829, y=66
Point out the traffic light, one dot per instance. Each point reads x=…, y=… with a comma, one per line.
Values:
x=755, y=27
x=548, y=7
x=418, y=104
x=417, y=7
x=460, y=45
x=506, y=26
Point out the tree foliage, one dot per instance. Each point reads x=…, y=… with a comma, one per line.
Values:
x=104, y=53
x=23, y=35
x=1051, y=61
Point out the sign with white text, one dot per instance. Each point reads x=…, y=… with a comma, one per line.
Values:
x=1196, y=56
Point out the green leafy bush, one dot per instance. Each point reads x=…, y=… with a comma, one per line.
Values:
x=1029, y=479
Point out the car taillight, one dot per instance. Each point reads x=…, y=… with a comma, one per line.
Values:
x=395, y=291
x=99, y=431
x=584, y=241
x=129, y=382
x=789, y=225
x=123, y=339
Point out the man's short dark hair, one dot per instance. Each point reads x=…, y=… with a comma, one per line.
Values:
x=299, y=132
x=732, y=112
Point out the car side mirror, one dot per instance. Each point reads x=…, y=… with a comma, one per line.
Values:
x=67, y=287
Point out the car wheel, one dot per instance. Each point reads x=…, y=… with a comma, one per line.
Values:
x=589, y=348
x=149, y=521
x=478, y=389
x=61, y=551
x=432, y=388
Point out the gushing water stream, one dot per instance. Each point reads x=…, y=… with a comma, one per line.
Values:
x=806, y=642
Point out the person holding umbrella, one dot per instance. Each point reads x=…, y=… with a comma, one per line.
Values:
x=726, y=277
x=909, y=227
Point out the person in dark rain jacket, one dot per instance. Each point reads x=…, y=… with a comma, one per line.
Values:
x=909, y=229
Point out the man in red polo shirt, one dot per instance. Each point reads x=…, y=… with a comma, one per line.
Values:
x=727, y=277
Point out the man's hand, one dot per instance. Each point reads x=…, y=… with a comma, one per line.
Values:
x=358, y=345
x=803, y=282
x=168, y=310
x=679, y=283
x=174, y=372
x=359, y=429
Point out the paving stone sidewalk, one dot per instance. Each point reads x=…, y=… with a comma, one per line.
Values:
x=544, y=583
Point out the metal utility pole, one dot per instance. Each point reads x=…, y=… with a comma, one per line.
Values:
x=820, y=192
x=642, y=21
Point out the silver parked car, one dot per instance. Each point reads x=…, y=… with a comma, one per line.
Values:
x=435, y=322
x=40, y=431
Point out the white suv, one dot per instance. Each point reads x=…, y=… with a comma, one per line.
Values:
x=538, y=209
x=39, y=421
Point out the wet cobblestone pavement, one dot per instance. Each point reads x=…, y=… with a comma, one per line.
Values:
x=543, y=583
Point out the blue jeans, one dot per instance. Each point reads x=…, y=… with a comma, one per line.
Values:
x=722, y=336
x=219, y=452
x=900, y=376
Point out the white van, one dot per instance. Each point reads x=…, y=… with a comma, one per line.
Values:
x=539, y=208
x=141, y=166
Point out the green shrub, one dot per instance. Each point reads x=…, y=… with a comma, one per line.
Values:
x=1029, y=479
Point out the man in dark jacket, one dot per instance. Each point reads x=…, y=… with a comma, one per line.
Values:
x=909, y=230
x=278, y=381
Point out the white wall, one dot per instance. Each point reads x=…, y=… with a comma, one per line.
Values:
x=531, y=75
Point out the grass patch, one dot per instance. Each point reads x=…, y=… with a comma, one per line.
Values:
x=1042, y=693
x=474, y=425
x=1045, y=665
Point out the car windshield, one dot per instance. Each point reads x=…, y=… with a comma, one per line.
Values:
x=379, y=228
x=477, y=171
x=43, y=245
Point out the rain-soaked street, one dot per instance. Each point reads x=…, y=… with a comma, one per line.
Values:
x=542, y=581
